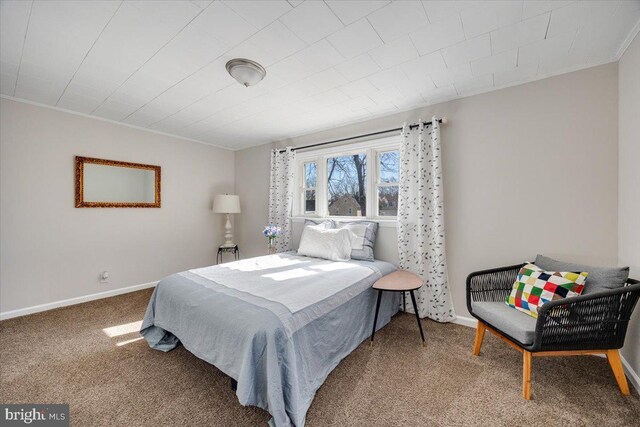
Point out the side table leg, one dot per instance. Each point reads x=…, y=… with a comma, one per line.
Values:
x=375, y=318
x=415, y=308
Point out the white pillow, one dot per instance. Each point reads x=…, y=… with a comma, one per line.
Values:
x=331, y=244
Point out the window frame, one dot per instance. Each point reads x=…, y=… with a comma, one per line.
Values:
x=371, y=149
x=378, y=183
x=303, y=193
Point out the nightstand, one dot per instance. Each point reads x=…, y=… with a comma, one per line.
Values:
x=227, y=250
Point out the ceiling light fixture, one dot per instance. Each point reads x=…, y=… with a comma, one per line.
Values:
x=246, y=71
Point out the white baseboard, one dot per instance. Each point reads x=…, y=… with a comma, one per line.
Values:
x=72, y=301
x=632, y=375
x=466, y=321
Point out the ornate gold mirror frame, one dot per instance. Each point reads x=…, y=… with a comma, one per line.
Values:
x=79, y=178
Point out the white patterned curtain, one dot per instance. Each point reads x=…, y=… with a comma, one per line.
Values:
x=421, y=220
x=281, y=195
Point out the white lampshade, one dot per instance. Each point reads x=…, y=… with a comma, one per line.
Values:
x=226, y=203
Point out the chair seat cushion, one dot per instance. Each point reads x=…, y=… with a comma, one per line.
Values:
x=505, y=319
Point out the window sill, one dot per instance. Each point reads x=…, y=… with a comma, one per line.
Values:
x=381, y=222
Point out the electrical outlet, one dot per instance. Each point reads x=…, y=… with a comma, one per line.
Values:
x=104, y=277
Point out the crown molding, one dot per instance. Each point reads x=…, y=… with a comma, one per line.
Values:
x=627, y=41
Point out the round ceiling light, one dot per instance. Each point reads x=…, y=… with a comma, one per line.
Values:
x=246, y=71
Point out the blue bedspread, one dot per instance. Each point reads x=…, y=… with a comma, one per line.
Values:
x=278, y=324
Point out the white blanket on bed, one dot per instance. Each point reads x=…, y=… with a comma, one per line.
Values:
x=293, y=281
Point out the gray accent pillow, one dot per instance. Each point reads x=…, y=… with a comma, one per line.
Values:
x=363, y=238
x=599, y=278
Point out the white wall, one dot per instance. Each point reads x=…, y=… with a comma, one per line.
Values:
x=252, y=185
x=629, y=184
x=51, y=251
x=527, y=169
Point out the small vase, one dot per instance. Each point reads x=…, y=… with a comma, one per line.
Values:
x=271, y=246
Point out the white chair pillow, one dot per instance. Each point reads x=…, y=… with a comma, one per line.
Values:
x=331, y=244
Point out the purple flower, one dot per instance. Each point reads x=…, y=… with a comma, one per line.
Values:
x=271, y=232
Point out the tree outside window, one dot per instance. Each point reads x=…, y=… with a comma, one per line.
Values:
x=309, y=186
x=387, y=184
x=346, y=185
x=361, y=182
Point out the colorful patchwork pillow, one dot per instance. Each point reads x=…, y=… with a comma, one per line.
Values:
x=534, y=287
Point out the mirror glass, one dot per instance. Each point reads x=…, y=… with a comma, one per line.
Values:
x=109, y=183
x=104, y=183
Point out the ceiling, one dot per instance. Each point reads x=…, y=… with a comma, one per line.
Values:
x=160, y=65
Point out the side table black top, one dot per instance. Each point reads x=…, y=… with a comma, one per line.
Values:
x=227, y=250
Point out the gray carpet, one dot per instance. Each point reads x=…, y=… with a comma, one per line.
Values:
x=63, y=356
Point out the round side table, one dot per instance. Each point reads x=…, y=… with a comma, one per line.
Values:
x=398, y=281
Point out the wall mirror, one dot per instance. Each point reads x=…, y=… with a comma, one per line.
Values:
x=112, y=184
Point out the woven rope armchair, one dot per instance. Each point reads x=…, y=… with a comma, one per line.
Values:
x=588, y=324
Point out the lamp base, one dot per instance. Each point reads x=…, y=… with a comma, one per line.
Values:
x=228, y=234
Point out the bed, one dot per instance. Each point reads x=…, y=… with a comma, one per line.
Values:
x=277, y=324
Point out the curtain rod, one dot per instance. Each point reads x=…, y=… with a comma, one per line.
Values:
x=335, y=141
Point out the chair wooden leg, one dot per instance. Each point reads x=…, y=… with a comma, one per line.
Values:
x=479, y=337
x=613, y=356
x=526, y=374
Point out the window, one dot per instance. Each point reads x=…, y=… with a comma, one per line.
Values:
x=387, y=182
x=346, y=185
x=358, y=181
x=309, y=187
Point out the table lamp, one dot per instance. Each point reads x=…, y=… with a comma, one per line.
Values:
x=227, y=204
